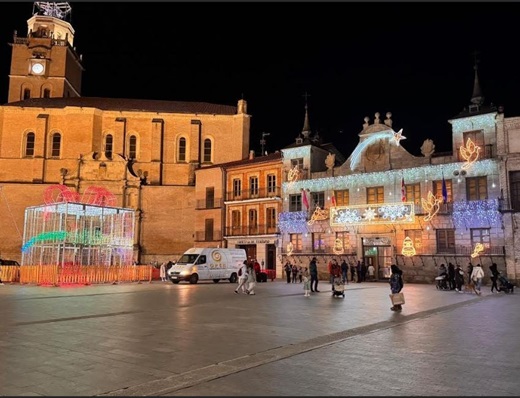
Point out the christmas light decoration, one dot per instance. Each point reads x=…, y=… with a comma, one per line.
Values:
x=290, y=248
x=373, y=138
x=476, y=214
x=297, y=153
x=338, y=247
x=294, y=222
x=408, y=249
x=372, y=214
x=412, y=175
x=479, y=248
x=293, y=175
x=469, y=153
x=318, y=215
x=431, y=205
x=481, y=122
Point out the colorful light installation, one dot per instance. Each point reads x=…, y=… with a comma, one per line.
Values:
x=372, y=214
x=53, y=236
x=292, y=221
x=318, y=215
x=338, y=247
x=479, y=248
x=290, y=249
x=476, y=214
x=469, y=153
x=373, y=138
x=431, y=205
x=408, y=249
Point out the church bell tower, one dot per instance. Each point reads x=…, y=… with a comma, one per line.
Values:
x=45, y=64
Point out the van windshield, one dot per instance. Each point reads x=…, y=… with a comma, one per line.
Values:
x=188, y=259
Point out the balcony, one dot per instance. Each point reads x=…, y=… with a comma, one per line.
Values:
x=262, y=193
x=208, y=236
x=249, y=230
x=204, y=204
x=467, y=251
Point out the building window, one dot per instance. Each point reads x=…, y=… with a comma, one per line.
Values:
x=237, y=187
x=253, y=186
x=207, y=150
x=271, y=218
x=375, y=195
x=109, y=145
x=253, y=221
x=235, y=221
x=296, y=240
x=181, y=156
x=514, y=187
x=29, y=144
x=344, y=239
x=26, y=93
x=210, y=198
x=416, y=236
x=46, y=93
x=342, y=197
x=132, y=147
x=317, y=199
x=297, y=162
x=413, y=193
x=208, y=230
x=295, y=202
x=480, y=235
x=318, y=244
x=445, y=240
x=271, y=183
x=437, y=190
x=476, y=188
x=56, y=145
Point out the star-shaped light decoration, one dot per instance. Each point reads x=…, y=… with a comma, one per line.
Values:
x=398, y=137
x=369, y=214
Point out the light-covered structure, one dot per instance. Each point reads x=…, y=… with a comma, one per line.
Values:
x=69, y=233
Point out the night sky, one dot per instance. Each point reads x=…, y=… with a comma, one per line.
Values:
x=353, y=59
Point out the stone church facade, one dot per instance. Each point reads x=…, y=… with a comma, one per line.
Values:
x=145, y=152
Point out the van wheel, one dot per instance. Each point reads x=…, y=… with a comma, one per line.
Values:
x=216, y=280
x=233, y=278
x=175, y=282
x=194, y=279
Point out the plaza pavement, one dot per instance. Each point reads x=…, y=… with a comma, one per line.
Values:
x=204, y=340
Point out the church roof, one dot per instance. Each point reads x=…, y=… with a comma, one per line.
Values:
x=127, y=104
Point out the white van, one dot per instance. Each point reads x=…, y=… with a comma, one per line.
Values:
x=198, y=264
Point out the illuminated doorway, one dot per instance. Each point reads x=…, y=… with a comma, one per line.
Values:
x=379, y=253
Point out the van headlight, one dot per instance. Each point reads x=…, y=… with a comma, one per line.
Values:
x=183, y=273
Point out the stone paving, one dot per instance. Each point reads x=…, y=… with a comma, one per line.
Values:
x=165, y=339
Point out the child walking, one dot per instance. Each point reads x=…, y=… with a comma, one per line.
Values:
x=306, y=283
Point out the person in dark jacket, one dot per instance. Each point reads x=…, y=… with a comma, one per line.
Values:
x=396, y=284
x=494, y=276
x=451, y=276
x=459, y=279
x=313, y=271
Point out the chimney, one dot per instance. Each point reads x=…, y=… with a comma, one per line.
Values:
x=251, y=154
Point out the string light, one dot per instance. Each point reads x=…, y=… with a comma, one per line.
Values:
x=482, y=122
x=476, y=213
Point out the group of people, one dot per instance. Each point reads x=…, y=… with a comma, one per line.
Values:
x=454, y=277
x=247, y=276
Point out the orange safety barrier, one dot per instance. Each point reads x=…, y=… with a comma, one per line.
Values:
x=9, y=273
x=84, y=274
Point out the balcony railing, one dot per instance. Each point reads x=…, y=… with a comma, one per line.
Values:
x=308, y=250
x=209, y=204
x=208, y=236
x=467, y=251
x=261, y=193
x=249, y=230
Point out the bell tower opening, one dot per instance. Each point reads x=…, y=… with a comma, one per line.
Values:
x=45, y=61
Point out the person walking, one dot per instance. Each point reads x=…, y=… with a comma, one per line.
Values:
x=294, y=273
x=300, y=275
x=396, y=284
x=288, y=271
x=494, y=277
x=459, y=279
x=306, y=282
x=451, y=276
x=476, y=276
x=352, y=272
x=242, y=278
x=358, y=272
x=251, y=280
x=162, y=272
x=344, y=271
x=470, y=282
x=371, y=273
x=313, y=271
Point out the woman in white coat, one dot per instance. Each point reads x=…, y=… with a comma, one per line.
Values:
x=251, y=280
